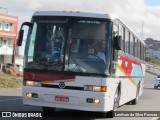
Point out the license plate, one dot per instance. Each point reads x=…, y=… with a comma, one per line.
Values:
x=62, y=98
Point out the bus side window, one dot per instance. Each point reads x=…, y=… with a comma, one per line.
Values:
x=131, y=45
x=123, y=38
x=126, y=41
x=144, y=53
x=141, y=51
x=115, y=52
x=129, y=50
x=32, y=51
x=136, y=48
x=121, y=33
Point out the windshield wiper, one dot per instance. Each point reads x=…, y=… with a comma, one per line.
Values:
x=46, y=64
x=76, y=63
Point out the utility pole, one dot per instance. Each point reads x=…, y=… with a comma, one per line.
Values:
x=142, y=30
x=13, y=52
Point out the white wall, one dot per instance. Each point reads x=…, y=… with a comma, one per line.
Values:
x=7, y=58
x=19, y=61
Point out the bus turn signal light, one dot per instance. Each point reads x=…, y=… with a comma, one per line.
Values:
x=103, y=89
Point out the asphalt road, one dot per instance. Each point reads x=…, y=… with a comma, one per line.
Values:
x=11, y=100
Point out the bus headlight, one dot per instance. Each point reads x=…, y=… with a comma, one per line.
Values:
x=33, y=83
x=97, y=101
x=28, y=95
x=31, y=95
x=95, y=88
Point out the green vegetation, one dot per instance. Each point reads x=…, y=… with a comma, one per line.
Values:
x=152, y=60
x=9, y=81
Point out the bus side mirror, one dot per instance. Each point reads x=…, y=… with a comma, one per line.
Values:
x=117, y=42
x=21, y=32
x=20, y=37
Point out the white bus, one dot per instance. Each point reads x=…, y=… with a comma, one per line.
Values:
x=81, y=61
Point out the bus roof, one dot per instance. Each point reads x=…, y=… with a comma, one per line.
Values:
x=71, y=14
x=81, y=14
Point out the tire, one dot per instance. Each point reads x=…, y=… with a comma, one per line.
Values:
x=49, y=110
x=116, y=100
x=135, y=101
x=115, y=105
x=155, y=87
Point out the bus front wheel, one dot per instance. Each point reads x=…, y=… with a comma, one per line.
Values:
x=135, y=101
x=115, y=105
x=48, y=110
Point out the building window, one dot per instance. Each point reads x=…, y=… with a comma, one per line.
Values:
x=0, y=42
x=0, y=26
x=7, y=27
x=5, y=41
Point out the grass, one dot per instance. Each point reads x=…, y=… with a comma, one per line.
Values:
x=152, y=60
x=9, y=81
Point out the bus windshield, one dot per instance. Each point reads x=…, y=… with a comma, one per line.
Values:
x=79, y=45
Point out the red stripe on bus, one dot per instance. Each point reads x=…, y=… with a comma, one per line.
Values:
x=128, y=68
x=46, y=76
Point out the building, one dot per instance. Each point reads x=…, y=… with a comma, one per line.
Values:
x=156, y=54
x=153, y=47
x=8, y=35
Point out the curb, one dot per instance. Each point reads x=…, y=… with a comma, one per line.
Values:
x=151, y=72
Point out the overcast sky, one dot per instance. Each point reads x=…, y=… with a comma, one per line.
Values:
x=132, y=12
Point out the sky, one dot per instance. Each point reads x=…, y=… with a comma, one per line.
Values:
x=133, y=12
x=152, y=2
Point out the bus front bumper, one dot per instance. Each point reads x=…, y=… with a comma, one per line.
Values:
x=67, y=99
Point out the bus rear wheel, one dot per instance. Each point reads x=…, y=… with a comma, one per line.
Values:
x=155, y=87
